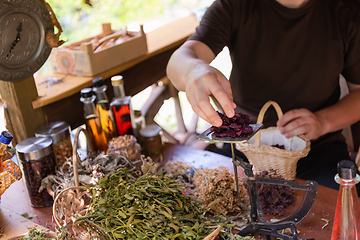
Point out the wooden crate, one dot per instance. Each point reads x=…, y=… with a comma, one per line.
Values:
x=97, y=54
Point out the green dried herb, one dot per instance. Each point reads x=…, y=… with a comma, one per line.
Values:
x=128, y=206
x=34, y=233
x=147, y=207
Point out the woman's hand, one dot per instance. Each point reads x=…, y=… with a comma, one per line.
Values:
x=189, y=70
x=301, y=121
x=204, y=82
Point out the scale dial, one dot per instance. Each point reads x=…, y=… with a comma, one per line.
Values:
x=23, y=46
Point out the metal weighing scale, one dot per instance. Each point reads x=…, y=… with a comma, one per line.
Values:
x=258, y=223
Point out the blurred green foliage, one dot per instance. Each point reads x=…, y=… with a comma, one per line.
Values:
x=80, y=20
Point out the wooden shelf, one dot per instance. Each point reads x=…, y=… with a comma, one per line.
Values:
x=160, y=40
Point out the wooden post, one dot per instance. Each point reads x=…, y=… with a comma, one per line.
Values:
x=24, y=119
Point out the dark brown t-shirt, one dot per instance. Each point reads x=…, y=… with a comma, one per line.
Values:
x=291, y=56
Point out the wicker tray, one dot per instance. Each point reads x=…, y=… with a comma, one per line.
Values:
x=74, y=200
x=264, y=157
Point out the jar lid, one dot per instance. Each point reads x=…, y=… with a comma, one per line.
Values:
x=150, y=130
x=346, y=169
x=58, y=131
x=117, y=80
x=86, y=93
x=5, y=137
x=98, y=82
x=34, y=148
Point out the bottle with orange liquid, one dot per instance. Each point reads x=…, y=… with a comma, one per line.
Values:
x=93, y=126
x=121, y=107
x=5, y=139
x=347, y=214
x=103, y=108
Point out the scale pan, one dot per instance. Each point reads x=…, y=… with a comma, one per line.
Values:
x=209, y=136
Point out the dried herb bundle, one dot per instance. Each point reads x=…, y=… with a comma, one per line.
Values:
x=216, y=189
x=147, y=207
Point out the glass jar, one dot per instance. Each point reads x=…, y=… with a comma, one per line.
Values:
x=151, y=141
x=59, y=132
x=37, y=161
x=139, y=124
x=126, y=146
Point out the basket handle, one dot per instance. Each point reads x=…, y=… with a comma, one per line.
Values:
x=75, y=157
x=260, y=118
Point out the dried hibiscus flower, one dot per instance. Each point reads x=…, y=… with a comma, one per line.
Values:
x=233, y=127
x=274, y=198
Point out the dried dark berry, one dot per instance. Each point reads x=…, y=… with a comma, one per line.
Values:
x=278, y=146
x=236, y=126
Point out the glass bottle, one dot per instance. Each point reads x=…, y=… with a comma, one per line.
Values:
x=5, y=139
x=103, y=108
x=121, y=107
x=92, y=121
x=347, y=214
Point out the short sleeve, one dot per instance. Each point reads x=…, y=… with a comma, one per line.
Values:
x=351, y=70
x=217, y=24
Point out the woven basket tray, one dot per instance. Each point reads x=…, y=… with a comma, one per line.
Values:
x=264, y=157
x=10, y=174
x=73, y=201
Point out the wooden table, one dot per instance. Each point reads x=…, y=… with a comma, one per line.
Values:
x=16, y=200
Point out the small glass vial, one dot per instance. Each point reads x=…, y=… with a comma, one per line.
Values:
x=151, y=141
x=347, y=214
x=122, y=108
x=36, y=161
x=93, y=126
x=59, y=132
x=139, y=122
x=5, y=139
x=103, y=108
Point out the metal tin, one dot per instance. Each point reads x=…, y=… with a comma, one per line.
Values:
x=34, y=148
x=58, y=131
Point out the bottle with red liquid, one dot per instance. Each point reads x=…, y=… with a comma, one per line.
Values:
x=347, y=214
x=103, y=108
x=121, y=107
x=93, y=126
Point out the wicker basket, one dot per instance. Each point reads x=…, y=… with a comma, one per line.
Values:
x=73, y=201
x=263, y=156
x=10, y=172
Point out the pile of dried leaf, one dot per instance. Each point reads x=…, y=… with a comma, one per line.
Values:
x=145, y=207
x=90, y=170
x=216, y=189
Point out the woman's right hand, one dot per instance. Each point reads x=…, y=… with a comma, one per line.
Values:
x=189, y=71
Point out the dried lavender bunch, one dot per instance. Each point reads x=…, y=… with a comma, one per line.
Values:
x=274, y=198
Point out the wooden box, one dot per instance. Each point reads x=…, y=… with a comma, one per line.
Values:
x=97, y=54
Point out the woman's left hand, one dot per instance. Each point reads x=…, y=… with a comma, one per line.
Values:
x=301, y=121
